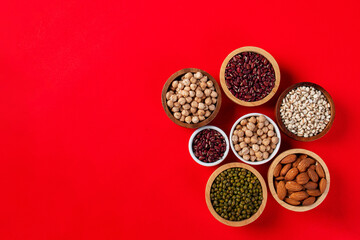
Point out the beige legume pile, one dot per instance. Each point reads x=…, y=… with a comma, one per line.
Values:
x=193, y=98
x=305, y=111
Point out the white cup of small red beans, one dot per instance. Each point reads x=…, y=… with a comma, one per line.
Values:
x=209, y=146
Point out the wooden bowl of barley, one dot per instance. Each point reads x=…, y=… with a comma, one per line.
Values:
x=282, y=107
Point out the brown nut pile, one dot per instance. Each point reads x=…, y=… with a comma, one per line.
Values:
x=299, y=180
x=254, y=139
x=193, y=98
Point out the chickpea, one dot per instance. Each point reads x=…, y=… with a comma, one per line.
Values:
x=266, y=123
x=243, y=122
x=191, y=93
x=268, y=148
x=241, y=133
x=185, y=113
x=212, y=107
x=213, y=94
x=260, y=125
x=245, y=151
x=174, y=84
x=175, y=109
x=207, y=113
x=263, y=136
x=201, y=118
x=246, y=157
x=194, y=104
x=193, y=80
x=182, y=118
x=265, y=129
x=214, y=100
x=182, y=101
x=193, y=86
x=265, y=155
x=208, y=101
x=193, y=110
x=186, y=82
x=252, y=120
x=201, y=112
x=188, y=119
x=188, y=75
x=198, y=75
x=252, y=152
x=173, y=98
x=210, y=84
x=259, y=141
x=258, y=154
x=238, y=127
x=240, y=153
x=271, y=127
x=177, y=115
x=275, y=140
x=262, y=118
x=189, y=99
x=186, y=106
x=266, y=141
x=262, y=148
x=247, y=140
x=235, y=139
x=195, y=119
x=271, y=151
x=273, y=145
x=180, y=86
x=207, y=92
x=243, y=144
x=248, y=133
x=271, y=133
x=253, y=139
x=201, y=106
x=187, y=89
x=199, y=93
x=197, y=99
x=255, y=147
x=259, y=132
x=250, y=126
x=237, y=147
x=241, y=139
x=244, y=128
x=252, y=158
x=170, y=103
x=177, y=104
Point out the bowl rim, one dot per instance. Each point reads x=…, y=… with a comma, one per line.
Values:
x=264, y=53
x=271, y=179
x=272, y=155
x=282, y=125
x=191, y=140
x=208, y=188
x=167, y=110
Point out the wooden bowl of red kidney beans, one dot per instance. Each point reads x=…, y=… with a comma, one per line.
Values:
x=250, y=76
x=209, y=146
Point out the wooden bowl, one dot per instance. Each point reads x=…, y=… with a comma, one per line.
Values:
x=176, y=76
x=271, y=180
x=268, y=57
x=281, y=124
x=210, y=206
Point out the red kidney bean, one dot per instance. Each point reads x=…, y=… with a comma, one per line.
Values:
x=209, y=145
x=249, y=76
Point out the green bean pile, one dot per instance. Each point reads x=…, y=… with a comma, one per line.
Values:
x=236, y=194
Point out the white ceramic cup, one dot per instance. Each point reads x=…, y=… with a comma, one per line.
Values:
x=272, y=155
x=192, y=140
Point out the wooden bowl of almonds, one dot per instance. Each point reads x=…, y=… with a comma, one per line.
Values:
x=236, y=194
x=305, y=111
x=299, y=180
x=191, y=98
x=250, y=76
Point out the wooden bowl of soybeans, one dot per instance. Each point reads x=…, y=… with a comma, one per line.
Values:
x=184, y=105
x=282, y=183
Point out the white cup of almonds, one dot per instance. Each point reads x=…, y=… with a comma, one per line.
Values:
x=255, y=138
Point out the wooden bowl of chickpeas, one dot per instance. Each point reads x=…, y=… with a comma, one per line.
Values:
x=191, y=98
x=255, y=138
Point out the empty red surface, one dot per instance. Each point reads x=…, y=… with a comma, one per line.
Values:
x=86, y=150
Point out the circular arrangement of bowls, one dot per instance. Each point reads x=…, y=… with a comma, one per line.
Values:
x=191, y=146
x=271, y=180
x=272, y=155
x=210, y=206
x=283, y=127
x=176, y=76
x=262, y=52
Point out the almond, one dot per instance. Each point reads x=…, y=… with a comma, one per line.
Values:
x=312, y=175
x=285, y=169
x=322, y=185
x=311, y=185
x=276, y=183
x=280, y=178
x=289, y=159
x=314, y=192
x=291, y=174
x=299, y=196
x=289, y=192
x=302, y=178
x=302, y=156
x=312, y=167
x=281, y=190
x=308, y=201
x=277, y=170
x=320, y=171
x=292, y=201
x=304, y=164
x=293, y=186
x=294, y=164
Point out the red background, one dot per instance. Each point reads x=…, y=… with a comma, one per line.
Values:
x=86, y=150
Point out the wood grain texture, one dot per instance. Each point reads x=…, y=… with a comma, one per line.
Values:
x=176, y=76
x=281, y=124
x=271, y=179
x=208, y=188
x=268, y=56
